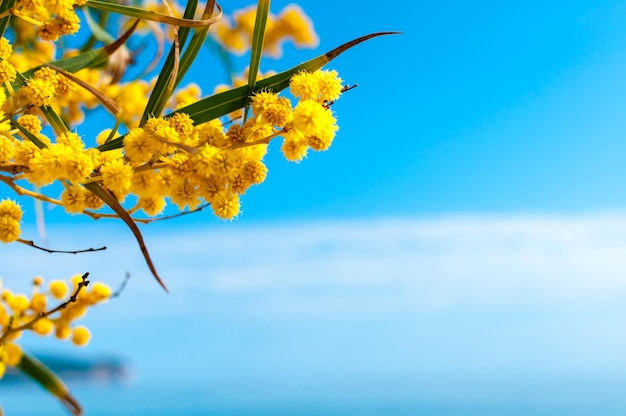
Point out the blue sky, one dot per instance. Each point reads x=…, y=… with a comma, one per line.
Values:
x=481, y=106
x=468, y=224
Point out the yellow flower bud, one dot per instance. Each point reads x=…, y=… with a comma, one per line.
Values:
x=58, y=289
x=100, y=291
x=43, y=327
x=81, y=336
x=62, y=331
x=14, y=354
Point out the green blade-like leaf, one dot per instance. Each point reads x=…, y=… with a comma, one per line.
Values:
x=55, y=120
x=39, y=372
x=162, y=90
x=219, y=105
x=5, y=5
x=196, y=42
x=143, y=14
x=112, y=202
x=97, y=31
x=30, y=136
x=258, y=38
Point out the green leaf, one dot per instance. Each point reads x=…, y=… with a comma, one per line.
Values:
x=5, y=6
x=143, y=14
x=163, y=86
x=196, y=42
x=97, y=31
x=112, y=202
x=219, y=105
x=55, y=120
x=30, y=136
x=39, y=372
x=258, y=38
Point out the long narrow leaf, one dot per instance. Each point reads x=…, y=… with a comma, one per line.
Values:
x=5, y=5
x=158, y=97
x=30, y=136
x=196, y=42
x=39, y=372
x=143, y=14
x=97, y=31
x=112, y=202
x=258, y=38
x=219, y=105
x=55, y=120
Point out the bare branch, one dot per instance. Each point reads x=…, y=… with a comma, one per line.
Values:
x=32, y=244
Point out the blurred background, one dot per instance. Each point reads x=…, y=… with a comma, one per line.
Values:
x=459, y=250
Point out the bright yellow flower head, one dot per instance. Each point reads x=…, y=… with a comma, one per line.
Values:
x=311, y=118
x=58, y=289
x=39, y=92
x=7, y=72
x=74, y=199
x=7, y=149
x=81, y=336
x=225, y=204
x=10, y=209
x=5, y=48
x=14, y=353
x=117, y=176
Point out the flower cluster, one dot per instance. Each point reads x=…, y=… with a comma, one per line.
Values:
x=166, y=143
x=20, y=312
x=173, y=159
x=53, y=18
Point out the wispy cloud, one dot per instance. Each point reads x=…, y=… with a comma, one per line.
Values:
x=364, y=266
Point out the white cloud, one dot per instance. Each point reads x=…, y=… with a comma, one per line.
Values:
x=361, y=266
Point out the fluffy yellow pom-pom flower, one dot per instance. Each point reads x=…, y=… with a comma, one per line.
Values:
x=81, y=336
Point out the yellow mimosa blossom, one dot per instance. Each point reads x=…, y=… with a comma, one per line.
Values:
x=13, y=353
x=10, y=209
x=225, y=204
x=58, y=289
x=81, y=336
x=117, y=176
x=74, y=199
x=5, y=48
x=10, y=217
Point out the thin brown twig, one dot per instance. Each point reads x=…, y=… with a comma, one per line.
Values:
x=32, y=244
x=345, y=88
x=169, y=217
